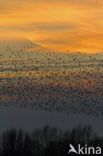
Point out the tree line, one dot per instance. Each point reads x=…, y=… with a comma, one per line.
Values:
x=47, y=141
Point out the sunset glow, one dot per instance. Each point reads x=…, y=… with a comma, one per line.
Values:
x=65, y=25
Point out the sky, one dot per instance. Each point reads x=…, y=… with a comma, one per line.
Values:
x=60, y=25
x=32, y=71
x=51, y=63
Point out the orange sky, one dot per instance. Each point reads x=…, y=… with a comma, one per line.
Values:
x=64, y=25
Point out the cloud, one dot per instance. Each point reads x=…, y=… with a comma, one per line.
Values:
x=77, y=23
x=52, y=41
x=52, y=27
x=36, y=26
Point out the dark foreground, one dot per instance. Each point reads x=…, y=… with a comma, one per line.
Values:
x=46, y=141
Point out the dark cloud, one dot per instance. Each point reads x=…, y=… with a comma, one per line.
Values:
x=52, y=41
x=36, y=26
x=53, y=27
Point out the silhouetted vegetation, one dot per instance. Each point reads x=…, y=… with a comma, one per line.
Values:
x=46, y=141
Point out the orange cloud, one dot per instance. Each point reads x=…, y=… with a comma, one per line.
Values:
x=61, y=26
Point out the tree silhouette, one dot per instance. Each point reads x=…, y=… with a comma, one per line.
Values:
x=47, y=141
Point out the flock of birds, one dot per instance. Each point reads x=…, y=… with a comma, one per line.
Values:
x=52, y=81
